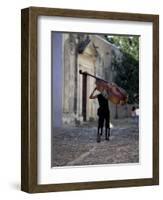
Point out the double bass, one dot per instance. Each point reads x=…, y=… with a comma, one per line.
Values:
x=109, y=90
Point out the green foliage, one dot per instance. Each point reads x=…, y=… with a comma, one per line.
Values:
x=127, y=68
x=127, y=44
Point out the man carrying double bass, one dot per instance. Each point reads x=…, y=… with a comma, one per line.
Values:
x=108, y=92
x=102, y=112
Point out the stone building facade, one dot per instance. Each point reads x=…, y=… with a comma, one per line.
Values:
x=91, y=53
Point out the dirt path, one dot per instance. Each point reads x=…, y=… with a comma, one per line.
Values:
x=78, y=146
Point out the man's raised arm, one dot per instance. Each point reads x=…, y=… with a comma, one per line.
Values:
x=92, y=96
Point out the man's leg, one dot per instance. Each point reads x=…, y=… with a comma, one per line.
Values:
x=100, y=128
x=98, y=131
x=107, y=127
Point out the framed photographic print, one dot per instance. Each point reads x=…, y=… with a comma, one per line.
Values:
x=90, y=99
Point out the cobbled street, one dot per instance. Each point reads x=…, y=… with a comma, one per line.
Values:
x=76, y=145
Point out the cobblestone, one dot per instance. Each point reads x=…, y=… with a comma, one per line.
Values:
x=76, y=145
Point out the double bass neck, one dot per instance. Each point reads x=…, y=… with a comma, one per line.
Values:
x=86, y=73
